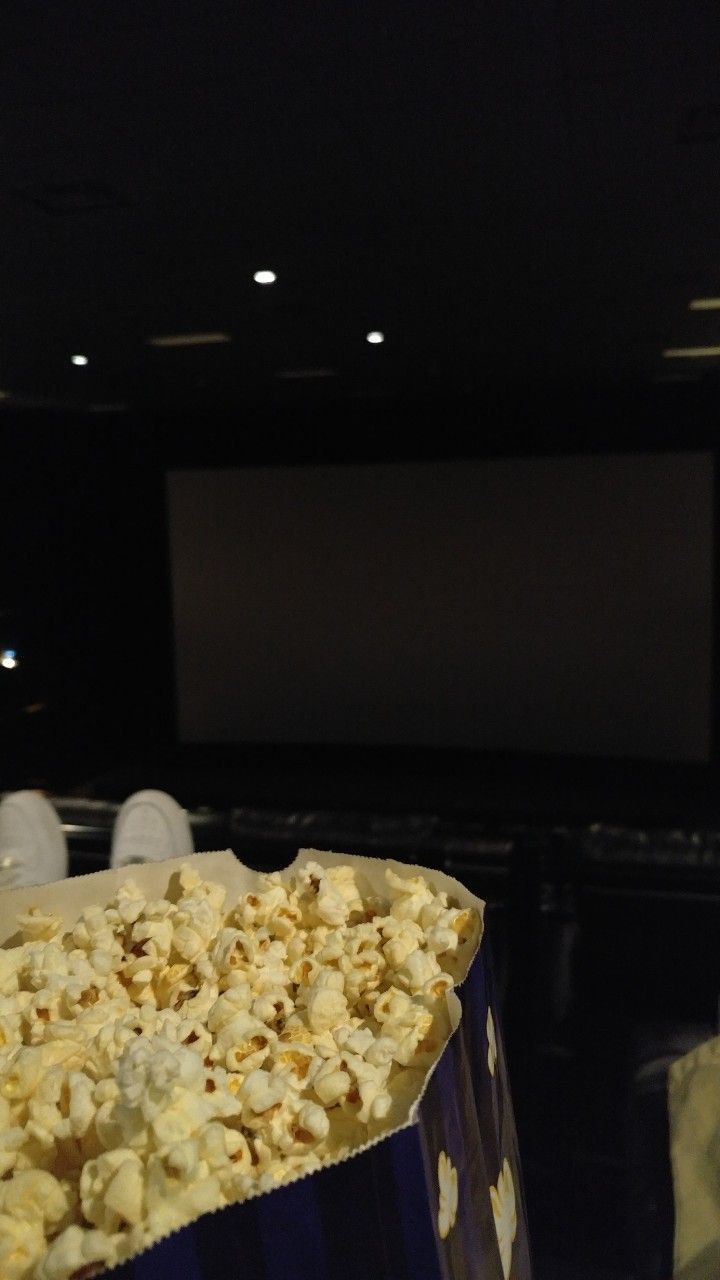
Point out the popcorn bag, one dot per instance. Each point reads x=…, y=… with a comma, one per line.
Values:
x=216, y=1073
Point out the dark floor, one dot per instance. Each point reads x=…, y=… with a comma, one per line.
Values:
x=574, y=1176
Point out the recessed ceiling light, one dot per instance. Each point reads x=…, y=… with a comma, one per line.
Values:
x=264, y=277
x=375, y=337
x=705, y=304
x=189, y=340
x=78, y=360
x=691, y=353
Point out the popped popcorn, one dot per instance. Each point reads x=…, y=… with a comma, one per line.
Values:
x=164, y=1058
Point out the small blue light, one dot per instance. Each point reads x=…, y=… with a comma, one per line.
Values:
x=10, y=653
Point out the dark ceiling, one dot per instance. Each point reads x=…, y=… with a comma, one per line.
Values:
x=508, y=190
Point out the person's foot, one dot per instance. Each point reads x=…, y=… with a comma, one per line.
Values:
x=33, y=849
x=150, y=827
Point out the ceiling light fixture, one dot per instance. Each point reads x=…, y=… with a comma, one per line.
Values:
x=189, y=340
x=264, y=277
x=375, y=337
x=9, y=659
x=79, y=360
x=705, y=304
x=691, y=353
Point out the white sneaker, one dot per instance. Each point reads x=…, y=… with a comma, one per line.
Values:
x=33, y=849
x=150, y=827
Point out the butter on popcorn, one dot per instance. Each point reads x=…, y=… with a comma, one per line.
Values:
x=167, y=1056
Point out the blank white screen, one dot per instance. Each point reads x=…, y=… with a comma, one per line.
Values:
x=554, y=604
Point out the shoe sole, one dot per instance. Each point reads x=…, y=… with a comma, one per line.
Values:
x=41, y=817
x=173, y=815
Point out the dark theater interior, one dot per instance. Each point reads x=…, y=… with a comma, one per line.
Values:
x=359, y=405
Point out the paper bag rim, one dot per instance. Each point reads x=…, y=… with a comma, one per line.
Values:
x=68, y=898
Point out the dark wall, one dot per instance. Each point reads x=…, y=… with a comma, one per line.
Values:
x=82, y=590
